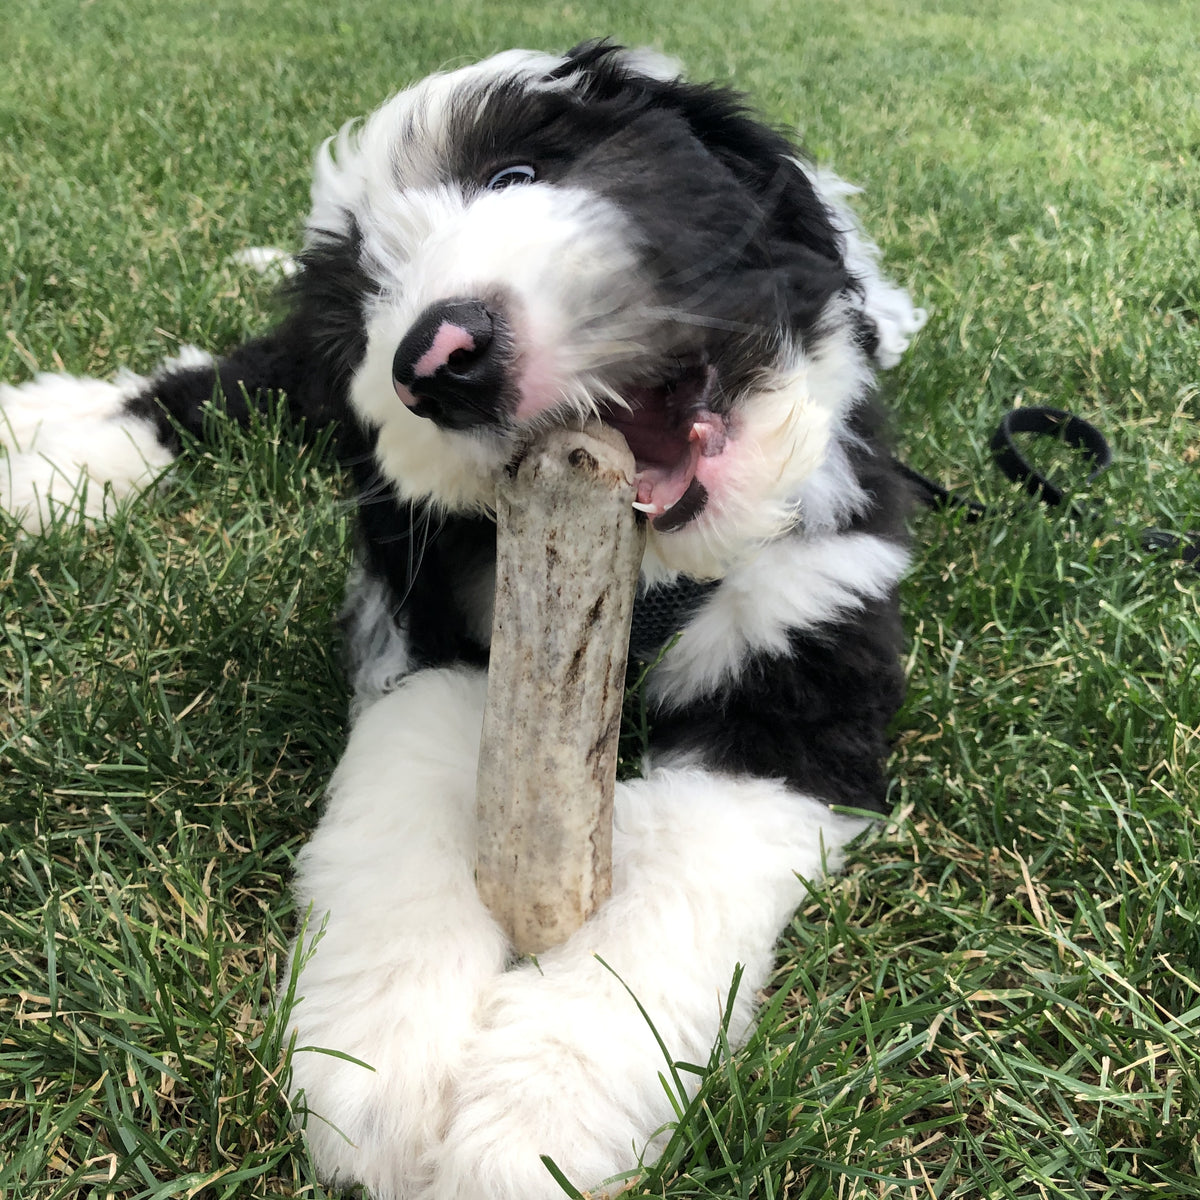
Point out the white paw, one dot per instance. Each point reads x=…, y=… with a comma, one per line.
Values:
x=407, y=944
x=564, y=1062
x=480, y=1071
x=70, y=450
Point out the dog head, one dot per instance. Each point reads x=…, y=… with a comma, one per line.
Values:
x=538, y=239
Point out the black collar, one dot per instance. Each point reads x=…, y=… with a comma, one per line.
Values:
x=661, y=611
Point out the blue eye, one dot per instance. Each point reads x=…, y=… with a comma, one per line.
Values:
x=511, y=177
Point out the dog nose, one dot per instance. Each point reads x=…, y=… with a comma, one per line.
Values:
x=452, y=364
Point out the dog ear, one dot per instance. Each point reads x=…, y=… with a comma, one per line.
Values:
x=804, y=206
x=761, y=157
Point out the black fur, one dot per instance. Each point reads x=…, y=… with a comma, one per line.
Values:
x=308, y=359
x=816, y=716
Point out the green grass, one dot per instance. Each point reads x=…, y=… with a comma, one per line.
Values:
x=1001, y=997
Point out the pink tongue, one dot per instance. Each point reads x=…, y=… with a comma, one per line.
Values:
x=660, y=488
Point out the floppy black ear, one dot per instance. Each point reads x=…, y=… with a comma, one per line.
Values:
x=762, y=157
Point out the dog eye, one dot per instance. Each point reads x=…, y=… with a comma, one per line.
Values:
x=511, y=177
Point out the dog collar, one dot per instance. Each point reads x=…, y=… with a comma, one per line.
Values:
x=661, y=611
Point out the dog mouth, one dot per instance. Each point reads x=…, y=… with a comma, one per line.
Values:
x=669, y=427
x=455, y=366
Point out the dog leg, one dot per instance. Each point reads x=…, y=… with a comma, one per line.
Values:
x=404, y=945
x=563, y=1063
x=73, y=448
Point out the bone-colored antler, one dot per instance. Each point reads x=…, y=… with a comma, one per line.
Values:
x=568, y=551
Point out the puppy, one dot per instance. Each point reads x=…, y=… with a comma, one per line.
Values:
x=529, y=241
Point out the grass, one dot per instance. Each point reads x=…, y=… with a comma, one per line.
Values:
x=1001, y=997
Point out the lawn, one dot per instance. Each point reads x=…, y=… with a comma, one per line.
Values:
x=1001, y=996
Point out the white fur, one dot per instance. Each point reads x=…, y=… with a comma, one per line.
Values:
x=479, y=1071
x=70, y=452
x=792, y=584
x=782, y=437
x=407, y=944
x=896, y=318
x=358, y=169
x=266, y=260
x=561, y=256
x=377, y=646
x=831, y=495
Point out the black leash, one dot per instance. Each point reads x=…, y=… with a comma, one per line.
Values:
x=1073, y=431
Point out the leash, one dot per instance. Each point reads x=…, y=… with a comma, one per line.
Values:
x=1072, y=431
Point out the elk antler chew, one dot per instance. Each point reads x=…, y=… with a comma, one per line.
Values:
x=569, y=546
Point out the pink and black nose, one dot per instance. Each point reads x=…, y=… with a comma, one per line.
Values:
x=452, y=365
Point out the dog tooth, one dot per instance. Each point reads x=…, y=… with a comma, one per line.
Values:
x=646, y=508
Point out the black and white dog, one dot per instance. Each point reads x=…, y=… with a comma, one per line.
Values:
x=513, y=244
